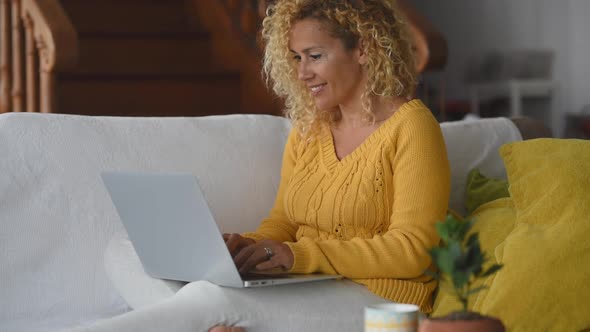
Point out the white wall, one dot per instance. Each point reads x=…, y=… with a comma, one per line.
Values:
x=477, y=26
x=580, y=55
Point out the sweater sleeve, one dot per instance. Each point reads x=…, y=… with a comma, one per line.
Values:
x=421, y=189
x=277, y=226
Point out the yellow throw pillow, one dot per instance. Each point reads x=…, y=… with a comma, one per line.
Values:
x=545, y=282
x=493, y=221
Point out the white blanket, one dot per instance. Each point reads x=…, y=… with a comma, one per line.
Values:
x=322, y=306
x=56, y=217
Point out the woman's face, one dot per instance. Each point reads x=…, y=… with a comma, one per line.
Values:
x=333, y=74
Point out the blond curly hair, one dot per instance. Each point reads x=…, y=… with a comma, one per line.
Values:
x=377, y=23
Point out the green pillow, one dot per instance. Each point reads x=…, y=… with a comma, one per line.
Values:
x=481, y=189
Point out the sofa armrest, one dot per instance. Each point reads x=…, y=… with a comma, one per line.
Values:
x=530, y=128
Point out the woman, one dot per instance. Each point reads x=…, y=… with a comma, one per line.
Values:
x=365, y=175
x=365, y=172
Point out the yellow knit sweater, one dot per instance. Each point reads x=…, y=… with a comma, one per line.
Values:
x=370, y=216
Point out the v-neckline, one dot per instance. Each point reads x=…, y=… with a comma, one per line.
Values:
x=329, y=148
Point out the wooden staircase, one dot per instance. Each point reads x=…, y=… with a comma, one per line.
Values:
x=143, y=57
x=148, y=57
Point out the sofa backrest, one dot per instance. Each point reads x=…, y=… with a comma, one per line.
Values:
x=474, y=144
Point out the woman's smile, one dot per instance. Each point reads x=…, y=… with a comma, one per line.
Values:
x=317, y=89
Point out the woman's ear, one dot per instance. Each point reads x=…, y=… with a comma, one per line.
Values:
x=362, y=53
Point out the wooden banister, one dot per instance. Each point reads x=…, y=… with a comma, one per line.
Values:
x=50, y=46
x=5, y=67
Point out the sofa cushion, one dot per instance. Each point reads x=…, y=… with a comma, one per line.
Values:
x=544, y=282
x=482, y=189
x=493, y=221
x=57, y=217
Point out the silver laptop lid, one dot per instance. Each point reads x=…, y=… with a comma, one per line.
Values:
x=171, y=227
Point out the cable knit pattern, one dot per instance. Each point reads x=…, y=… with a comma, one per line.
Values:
x=370, y=216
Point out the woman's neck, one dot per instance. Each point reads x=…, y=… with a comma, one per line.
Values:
x=354, y=117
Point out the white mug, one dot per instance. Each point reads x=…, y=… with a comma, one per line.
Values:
x=391, y=317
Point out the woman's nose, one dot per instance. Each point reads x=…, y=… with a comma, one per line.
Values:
x=304, y=73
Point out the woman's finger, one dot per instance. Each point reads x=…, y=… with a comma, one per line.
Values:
x=256, y=257
x=235, y=243
x=268, y=265
x=282, y=256
x=243, y=256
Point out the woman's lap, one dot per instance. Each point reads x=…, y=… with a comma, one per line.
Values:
x=315, y=306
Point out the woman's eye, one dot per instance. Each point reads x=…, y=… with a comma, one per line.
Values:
x=315, y=56
x=297, y=58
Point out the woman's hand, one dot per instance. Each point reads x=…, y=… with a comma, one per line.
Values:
x=264, y=255
x=235, y=243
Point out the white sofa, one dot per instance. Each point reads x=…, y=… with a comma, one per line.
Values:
x=56, y=218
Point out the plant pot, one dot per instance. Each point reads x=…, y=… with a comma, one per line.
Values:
x=450, y=324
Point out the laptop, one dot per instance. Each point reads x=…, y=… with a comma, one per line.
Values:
x=174, y=233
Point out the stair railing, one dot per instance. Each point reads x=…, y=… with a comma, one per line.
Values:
x=37, y=41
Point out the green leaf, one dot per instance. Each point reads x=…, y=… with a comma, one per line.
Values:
x=465, y=227
x=472, y=240
x=460, y=279
x=432, y=274
x=435, y=254
x=493, y=269
x=445, y=261
x=479, y=272
x=475, y=290
x=455, y=229
x=459, y=257
x=455, y=250
x=443, y=231
x=473, y=256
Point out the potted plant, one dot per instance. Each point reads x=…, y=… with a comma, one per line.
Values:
x=460, y=261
